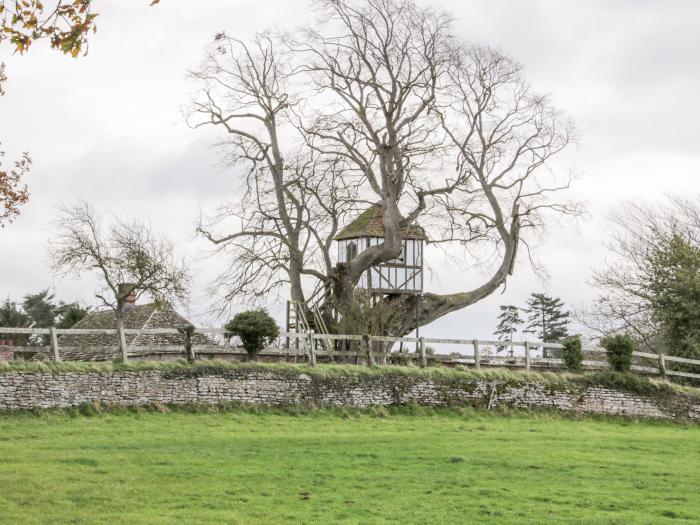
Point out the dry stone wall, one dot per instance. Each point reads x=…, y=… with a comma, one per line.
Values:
x=22, y=390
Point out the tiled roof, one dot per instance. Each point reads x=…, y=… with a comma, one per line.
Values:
x=370, y=223
x=146, y=316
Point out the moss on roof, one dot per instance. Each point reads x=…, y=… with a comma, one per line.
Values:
x=370, y=223
x=144, y=316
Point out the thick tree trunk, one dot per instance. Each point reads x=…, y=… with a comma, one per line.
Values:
x=345, y=276
x=424, y=309
x=433, y=306
x=295, y=287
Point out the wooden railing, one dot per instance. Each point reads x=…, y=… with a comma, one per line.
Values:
x=364, y=349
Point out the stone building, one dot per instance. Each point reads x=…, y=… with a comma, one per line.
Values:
x=136, y=317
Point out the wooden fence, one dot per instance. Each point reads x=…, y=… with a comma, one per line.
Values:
x=311, y=347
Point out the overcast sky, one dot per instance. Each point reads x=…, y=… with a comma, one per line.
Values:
x=108, y=127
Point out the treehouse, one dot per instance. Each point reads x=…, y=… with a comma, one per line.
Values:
x=403, y=275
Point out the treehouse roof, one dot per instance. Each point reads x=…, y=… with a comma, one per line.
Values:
x=370, y=223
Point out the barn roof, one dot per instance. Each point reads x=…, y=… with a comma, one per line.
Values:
x=370, y=223
x=146, y=316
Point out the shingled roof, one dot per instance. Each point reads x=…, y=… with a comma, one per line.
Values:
x=146, y=316
x=370, y=223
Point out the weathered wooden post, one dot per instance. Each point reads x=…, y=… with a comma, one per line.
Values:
x=123, y=352
x=662, y=365
x=312, y=350
x=188, y=331
x=527, y=356
x=477, y=354
x=421, y=346
x=367, y=342
x=54, y=344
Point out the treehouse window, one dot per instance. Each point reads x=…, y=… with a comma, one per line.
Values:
x=350, y=251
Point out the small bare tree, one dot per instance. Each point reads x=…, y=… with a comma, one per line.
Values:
x=128, y=257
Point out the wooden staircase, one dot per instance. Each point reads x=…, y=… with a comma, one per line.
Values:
x=303, y=317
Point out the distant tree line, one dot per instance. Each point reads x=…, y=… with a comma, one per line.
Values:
x=38, y=310
x=649, y=289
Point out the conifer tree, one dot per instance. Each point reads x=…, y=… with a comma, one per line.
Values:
x=12, y=316
x=546, y=318
x=508, y=322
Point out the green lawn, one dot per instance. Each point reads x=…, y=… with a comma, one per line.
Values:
x=330, y=467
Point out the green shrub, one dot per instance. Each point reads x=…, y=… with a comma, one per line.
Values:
x=255, y=328
x=401, y=358
x=572, y=354
x=429, y=359
x=619, y=350
x=363, y=315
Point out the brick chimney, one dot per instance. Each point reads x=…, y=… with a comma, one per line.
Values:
x=131, y=298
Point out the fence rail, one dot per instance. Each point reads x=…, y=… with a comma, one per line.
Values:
x=309, y=346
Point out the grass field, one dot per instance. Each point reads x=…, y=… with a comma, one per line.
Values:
x=407, y=466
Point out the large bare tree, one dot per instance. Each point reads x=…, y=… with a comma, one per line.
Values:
x=128, y=257
x=439, y=133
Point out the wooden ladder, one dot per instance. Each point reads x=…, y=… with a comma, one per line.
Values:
x=298, y=322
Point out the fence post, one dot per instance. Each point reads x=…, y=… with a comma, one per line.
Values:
x=188, y=331
x=662, y=365
x=123, y=354
x=367, y=342
x=54, y=345
x=527, y=356
x=421, y=346
x=312, y=350
x=477, y=354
